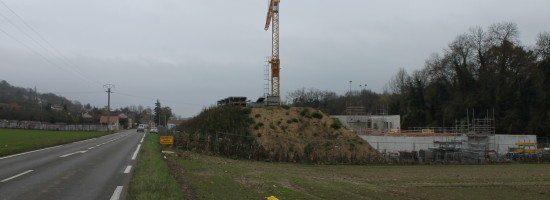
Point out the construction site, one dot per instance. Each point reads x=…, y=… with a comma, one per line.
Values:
x=472, y=140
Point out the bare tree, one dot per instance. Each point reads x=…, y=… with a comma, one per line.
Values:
x=505, y=31
x=398, y=82
x=542, y=47
x=481, y=44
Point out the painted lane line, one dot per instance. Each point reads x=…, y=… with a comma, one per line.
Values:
x=136, y=152
x=91, y=148
x=18, y=175
x=116, y=194
x=85, y=140
x=128, y=168
x=141, y=140
x=69, y=154
x=29, y=152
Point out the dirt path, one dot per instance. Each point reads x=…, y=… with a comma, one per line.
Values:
x=177, y=172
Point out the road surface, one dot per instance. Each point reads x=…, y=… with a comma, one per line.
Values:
x=93, y=169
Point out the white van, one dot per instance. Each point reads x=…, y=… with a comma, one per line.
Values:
x=141, y=128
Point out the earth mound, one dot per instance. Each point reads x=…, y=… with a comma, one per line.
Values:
x=290, y=134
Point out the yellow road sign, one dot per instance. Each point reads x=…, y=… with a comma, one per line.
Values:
x=166, y=139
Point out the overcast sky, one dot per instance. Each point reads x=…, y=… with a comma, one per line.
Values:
x=191, y=53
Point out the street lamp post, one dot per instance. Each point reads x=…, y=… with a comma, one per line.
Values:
x=349, y=105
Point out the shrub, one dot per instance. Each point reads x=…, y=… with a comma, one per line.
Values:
x=259, y=135
x=308, y=149
x=247, y=111
x=304, y=112
x=257, y=115
x=289, y=121
x=336, y=124
x=295, y=120
x=250, y=120
x=260, y=124
x=286, y=107
x=317, y=115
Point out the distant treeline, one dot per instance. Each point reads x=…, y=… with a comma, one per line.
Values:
x=484, y=69
x=26, y=104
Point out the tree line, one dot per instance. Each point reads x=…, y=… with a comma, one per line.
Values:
x=484, y=69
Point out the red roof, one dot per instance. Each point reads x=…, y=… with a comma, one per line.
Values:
x=112, y=119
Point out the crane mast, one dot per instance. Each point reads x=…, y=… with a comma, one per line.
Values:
x=273, y=19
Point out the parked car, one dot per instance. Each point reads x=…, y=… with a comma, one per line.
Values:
x=154, y=130
x=141, y=128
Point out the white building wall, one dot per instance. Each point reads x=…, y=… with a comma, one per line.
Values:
x=403, y=143
x=360, y=123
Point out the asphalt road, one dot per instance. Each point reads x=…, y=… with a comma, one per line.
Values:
x=93, y=169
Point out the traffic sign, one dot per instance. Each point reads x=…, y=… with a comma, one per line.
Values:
x=166, y=139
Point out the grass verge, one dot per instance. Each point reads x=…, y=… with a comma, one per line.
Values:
x=222, y=178
x=151, y=178
x=14, y=141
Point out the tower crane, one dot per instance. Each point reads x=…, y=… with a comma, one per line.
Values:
x=273, y=20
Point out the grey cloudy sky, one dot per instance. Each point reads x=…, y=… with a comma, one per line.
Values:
x=190, y=53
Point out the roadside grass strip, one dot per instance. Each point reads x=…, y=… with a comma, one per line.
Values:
x=13, y=141
x=151, y=178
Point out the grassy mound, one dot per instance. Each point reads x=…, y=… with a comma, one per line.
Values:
x=275, y=134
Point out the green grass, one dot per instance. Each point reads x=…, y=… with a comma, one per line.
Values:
x=151, y=178
x=221, y=178
x=14, y=141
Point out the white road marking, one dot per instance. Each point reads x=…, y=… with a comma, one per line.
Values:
x=18, y=175
x=85, y=140
x=69, y=154
x=91, y=148
x=30, y=152
x=128, y=168
x=116, y=194
x=136, y=152
x=141, y=140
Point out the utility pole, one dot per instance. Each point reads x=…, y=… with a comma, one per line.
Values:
x=108, y=87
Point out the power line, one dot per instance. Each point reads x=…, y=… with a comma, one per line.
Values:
x=52, y=49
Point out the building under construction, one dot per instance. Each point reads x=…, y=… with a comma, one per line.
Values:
x=469, y=141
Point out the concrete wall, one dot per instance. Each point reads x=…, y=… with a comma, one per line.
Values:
x=401, y=143
x=362, y=123
x=390, y=143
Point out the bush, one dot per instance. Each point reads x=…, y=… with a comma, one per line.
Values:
x=295, y=120
x=286, y=107
x=317, y=115
x=336, y=124
x=304, y=112
x=259, y=135
x=289, y=121
x=247, y=111
x=250, y=120
x=308, y=149
x=257, y=115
